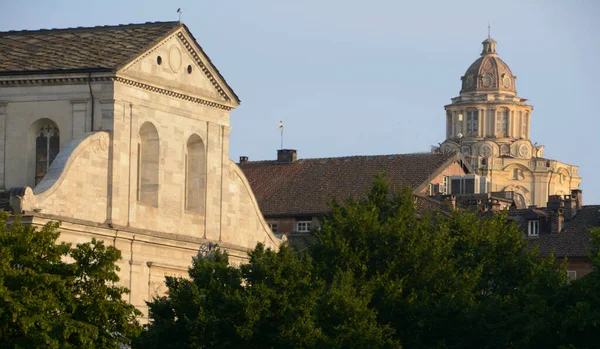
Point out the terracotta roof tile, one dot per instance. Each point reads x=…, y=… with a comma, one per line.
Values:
x=102, y=48
x=574, y=240
x=302, y=187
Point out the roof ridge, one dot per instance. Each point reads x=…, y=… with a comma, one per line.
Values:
x=359, y=156
x=42, y=30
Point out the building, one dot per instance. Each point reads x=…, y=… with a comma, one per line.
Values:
x=490, y=125
x=122, y=133
x=563, y=229
x=292, y=193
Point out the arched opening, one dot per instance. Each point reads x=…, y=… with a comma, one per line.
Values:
x=502, y=118
x=195, y=174
x=148, y=160
x=472, y=122
x=45, y=136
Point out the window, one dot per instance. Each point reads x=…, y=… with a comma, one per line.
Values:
x=502, y=123
x=434, y=189
x=525, y=125
x=273, y=227
x=47, y=143
x=448, y=125
x=472, y=122
x=571, y=274
x=148, y=159
x=195, y=174
x=303, y=226
x=445, y=186
x=515, y=173
x=533, y=228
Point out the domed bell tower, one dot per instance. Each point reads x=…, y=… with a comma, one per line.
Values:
x=490, y=125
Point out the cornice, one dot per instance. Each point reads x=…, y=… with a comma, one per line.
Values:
x=53, y=80
x=205, y=70
x=85, y=79
x=189, y=47
x=171, y=93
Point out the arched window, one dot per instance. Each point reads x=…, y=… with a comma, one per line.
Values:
x=195, y=174
x=47, y=146
x=148, y=160
x=525, y=125
x=472, y=122
x=502, y=123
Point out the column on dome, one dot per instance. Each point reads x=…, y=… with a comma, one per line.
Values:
x=511, y=124
x=448, y=125
x=494, y=114
x=482, y=122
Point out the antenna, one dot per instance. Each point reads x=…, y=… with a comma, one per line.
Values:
x=179, y=11
x=281, y=129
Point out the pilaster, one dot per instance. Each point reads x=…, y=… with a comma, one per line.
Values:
x=2, y=143
x=482, y=123
x=511, y=124
x=79, y=109
x=107, y=110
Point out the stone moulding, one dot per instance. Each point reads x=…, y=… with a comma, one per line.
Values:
x=67, y=155
x=241, y=177
x=205, y=70
x=171, y=93
x=85, y=80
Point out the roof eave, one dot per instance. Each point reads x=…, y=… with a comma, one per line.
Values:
x=56, y=71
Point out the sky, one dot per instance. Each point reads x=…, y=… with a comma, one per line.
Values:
x=372, y=77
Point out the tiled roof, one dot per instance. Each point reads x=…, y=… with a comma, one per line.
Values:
x=77, y=49
x=574, y=240
x=302, y=187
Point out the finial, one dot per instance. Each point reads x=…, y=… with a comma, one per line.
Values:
x=489, y=30
x=179, y=11
x=281, y=129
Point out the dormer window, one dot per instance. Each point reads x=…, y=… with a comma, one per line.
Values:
x=533, y=228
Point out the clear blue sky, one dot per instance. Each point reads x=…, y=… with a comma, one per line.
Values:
x=371, y=77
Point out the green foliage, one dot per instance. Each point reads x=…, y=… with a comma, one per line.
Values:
x=274, y=301
x=381, y=276
x=55, y=296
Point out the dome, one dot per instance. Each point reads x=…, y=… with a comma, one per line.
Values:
x=489, y=73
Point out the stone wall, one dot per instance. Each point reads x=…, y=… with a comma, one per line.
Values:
x=76, y=185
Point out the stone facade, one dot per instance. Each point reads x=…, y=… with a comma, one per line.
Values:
x=490, y=125
x=141, y=158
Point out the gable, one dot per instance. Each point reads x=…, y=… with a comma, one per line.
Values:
x=178, y=64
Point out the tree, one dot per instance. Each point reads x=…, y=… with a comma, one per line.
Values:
x=273, y=301
x=56, y=296
x=458, y=280
x=379, y=276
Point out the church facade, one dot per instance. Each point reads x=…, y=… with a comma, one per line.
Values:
x=490, y=125
x=122, y=133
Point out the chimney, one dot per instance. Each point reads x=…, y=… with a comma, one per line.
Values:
x=577, y=195
x=557, y=220
x=554, y=202
x=286, y=156
x=243, y=159
x=451, y=199
x=570, y=207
